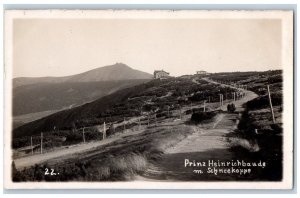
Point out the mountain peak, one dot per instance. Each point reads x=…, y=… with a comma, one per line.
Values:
x=115, y=72
x=121, y=64
x=115, y=66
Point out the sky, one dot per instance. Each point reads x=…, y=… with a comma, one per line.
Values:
x=62, y=47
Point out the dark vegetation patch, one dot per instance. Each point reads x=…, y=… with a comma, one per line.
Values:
x=198, y=117
x=263, y=101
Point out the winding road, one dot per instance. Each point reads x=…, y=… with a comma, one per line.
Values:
x=209, y=142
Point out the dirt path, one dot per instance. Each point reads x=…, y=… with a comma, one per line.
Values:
x=209, y=142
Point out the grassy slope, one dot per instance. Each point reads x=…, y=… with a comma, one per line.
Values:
x=93, y=109
x=153, y=96
x=57, y=96
x=65, y=118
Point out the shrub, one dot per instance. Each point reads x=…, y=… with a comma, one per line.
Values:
x=263, y=101
x=201, y=116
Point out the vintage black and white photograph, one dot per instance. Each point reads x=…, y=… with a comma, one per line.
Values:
x=148, y=99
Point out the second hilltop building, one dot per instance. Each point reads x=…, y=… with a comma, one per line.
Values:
x=161, y=74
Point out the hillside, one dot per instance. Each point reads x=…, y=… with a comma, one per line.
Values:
x=116, y=72
x=56, y=96
x=158, y=125
x=154, y=96
x=22, y=81
x=33, y=95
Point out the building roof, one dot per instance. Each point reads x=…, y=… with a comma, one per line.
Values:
x=156, y=71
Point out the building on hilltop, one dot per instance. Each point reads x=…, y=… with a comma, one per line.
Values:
x=202, y=72
x=161, y=74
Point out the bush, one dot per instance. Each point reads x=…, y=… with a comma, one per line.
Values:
x=263, y=102
x=201, y=116
x=231, y=108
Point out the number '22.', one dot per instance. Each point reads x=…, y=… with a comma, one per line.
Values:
x=47, y=171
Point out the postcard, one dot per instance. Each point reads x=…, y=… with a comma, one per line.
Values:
x=148, y=99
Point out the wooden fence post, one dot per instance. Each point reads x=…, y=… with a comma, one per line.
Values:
x=31, y=145
x=41, y=142
x=83, y=136
x=104, y=131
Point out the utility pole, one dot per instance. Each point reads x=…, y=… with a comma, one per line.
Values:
x=41, y=142
x=204, y=106
x=220, y=100
x=31, y=145
x=271, y=106
x=104, y=131
x=233, y=96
